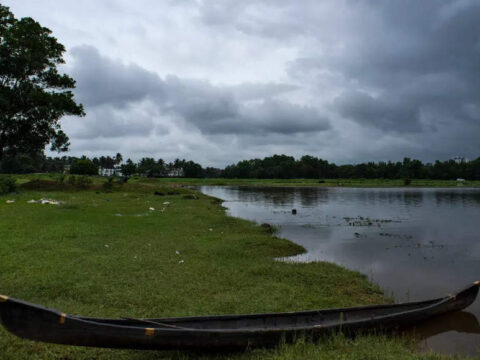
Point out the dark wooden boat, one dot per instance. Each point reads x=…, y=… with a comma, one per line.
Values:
x=218, y=332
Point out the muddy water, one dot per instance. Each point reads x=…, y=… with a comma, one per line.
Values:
x=414, y=243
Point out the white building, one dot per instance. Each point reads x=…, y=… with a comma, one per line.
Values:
x=175, y=172
x=459, y=159
x=116, y=171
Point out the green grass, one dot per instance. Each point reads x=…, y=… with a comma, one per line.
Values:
x=106, y=254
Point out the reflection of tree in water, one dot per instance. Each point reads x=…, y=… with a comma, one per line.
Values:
x=267, y=195
x=284, y=196
x=309, y=197
x=457, y=197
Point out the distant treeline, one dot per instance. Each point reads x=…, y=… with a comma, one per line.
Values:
x=310, y=167
x=273, y=167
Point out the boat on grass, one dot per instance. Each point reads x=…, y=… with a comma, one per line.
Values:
x=220, y=332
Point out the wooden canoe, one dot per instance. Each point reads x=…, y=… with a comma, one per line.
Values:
x=218, y=332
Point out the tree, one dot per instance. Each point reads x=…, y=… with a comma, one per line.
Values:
x=33, y=94
x=118, y=159
x=129, y=168
x=84, y=167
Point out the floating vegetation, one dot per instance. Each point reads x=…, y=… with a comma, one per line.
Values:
x=396, y=236
x=365, y=221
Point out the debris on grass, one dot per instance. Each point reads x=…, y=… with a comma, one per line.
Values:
x=44, y=201
x=166, y=203
x=10, y=201
x=177, y=252
x=151, y=209
x=181, y=261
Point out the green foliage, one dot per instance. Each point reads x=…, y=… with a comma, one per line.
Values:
x=129, y=168
x=309, y=167
x=83, y=182
x=20, y=163
x=33, y=94
x=108, y=184
x=72, y=180
x=7, y=185
x=84, y=167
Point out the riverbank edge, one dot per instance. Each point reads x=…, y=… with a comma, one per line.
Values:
x=285, y=351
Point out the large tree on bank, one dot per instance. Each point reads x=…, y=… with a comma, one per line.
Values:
x=33, y=94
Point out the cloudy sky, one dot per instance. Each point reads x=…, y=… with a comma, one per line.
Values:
x=220, y=81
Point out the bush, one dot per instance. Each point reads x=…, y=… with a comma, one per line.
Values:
x=84, y=167
x=84, y=182
x=108, y=185
x=7, y=185
x=407, y=182
x=72, y=180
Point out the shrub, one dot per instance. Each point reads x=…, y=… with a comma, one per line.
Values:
x=7, y=185
x=84, y=167
x=407, y=182
x=84, y=182
x=108, y=185
x=72, y=180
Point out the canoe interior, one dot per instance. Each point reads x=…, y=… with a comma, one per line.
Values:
x=303, y=319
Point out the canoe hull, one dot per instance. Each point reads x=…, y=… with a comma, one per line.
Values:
x=218, y=332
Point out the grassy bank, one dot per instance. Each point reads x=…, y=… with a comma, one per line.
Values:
x=109, y=255
x=319, y=183
x=272, y=182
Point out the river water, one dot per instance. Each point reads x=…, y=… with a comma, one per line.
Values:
x=415, y=244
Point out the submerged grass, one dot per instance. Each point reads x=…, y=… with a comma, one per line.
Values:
x=109, y=255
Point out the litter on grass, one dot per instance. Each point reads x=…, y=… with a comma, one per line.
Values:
x=181, y=261
x=44, y=201
x=166, y=203
x=151, y=209
x=177, y=252
x=10, y=201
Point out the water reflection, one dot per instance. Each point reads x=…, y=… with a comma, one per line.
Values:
x=414, y=243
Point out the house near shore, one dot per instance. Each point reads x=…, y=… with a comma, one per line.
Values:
x=175, y=172
x=115, y=171
x=459, y=159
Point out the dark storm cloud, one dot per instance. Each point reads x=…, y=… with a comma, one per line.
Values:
x=105, y=81
x=421, y=59
x=385, y=113
x=105, y=85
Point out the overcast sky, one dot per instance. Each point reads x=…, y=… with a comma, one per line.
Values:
x=221, y=81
